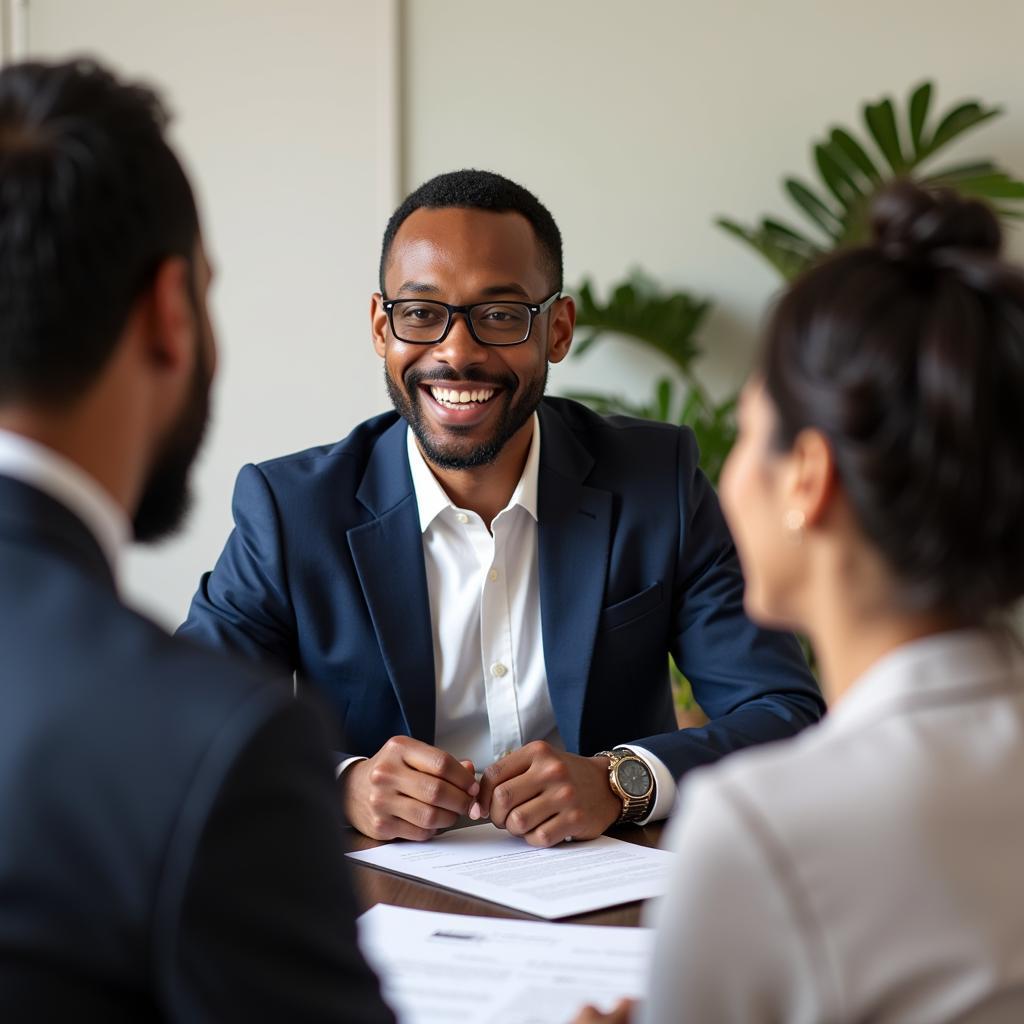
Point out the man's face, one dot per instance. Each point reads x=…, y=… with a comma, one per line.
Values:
x=462, y=256
x=166, y=496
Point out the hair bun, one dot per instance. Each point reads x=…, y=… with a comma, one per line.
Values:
x=913, y=223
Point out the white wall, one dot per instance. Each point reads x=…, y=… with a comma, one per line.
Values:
x=283, y=121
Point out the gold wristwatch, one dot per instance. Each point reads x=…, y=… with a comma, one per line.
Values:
x=632, y=782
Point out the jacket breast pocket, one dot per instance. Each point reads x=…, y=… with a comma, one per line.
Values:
x=632, y=608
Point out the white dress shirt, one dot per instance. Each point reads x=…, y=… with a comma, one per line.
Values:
x=60, y=478
x=483, y=585
x=871, y=868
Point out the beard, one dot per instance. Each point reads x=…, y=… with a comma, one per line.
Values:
x=450, y=453
x=166, y=496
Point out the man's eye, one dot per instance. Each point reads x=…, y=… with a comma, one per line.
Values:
x=421, y=314
x=503, y=315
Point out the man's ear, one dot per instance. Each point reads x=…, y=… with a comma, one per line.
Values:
x=563, y=322
x=810, y=475
x=171, y=339
x=378, y=323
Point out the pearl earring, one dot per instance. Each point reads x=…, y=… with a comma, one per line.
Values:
x=795, y=521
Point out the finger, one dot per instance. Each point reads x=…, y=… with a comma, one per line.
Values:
x=399, y=828
x=543, y=821
x=508, y=802
x=508, y=767
x=433, y=761
x=428, y=817
x=623, y=1011
x=433, y=792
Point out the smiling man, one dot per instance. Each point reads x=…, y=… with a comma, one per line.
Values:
x=486, y=583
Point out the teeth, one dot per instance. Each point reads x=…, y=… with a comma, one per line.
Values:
x=447, y=396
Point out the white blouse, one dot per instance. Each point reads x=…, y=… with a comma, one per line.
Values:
x=872, y=868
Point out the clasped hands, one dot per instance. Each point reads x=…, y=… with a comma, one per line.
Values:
x=411, y=790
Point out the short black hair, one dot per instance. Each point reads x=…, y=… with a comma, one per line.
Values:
x=92, y=200
x=481, y=190
x=907, y=354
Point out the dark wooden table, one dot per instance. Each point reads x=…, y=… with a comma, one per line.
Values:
x=376, y=886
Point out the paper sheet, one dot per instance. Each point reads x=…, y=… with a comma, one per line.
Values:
x=439, y=968
x=571, y=878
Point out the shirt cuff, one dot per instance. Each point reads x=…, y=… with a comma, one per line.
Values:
x=664, y=783
x=340, y=767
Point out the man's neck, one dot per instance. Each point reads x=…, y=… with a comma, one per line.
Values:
x=486, y=490
x=91, y=445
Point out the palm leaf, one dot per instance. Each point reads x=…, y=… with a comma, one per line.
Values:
x=638, y=308
x=834, y=171
x=959, y=120
x=881, y=121
x=786, y=250
x=818, y=211
x=855, y=154
x=992, y=186
x=920, y=100
x=956, y=172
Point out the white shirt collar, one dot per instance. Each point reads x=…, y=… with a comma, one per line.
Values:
x=432, y=500
x=937, y=666
x=60, y=478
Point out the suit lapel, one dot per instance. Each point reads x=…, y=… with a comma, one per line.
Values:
x=388, y=555
x=574, y=535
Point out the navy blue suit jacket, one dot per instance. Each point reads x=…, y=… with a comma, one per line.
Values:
x=324, y=574
x=170, y=842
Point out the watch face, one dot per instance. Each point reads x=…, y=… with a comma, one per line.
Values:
x=634, y=777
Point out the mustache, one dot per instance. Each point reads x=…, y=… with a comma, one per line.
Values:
x=471, y=374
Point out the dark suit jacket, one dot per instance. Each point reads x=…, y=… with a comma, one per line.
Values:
x=324, y=574
x=169, y=841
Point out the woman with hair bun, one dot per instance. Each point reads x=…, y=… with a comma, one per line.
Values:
x=873, y=867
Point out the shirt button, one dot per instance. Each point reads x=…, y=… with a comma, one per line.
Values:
x=497, y=669
x=492, y=575
x=462, y=517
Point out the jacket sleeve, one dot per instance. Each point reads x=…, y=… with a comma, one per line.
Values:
x=262, y=926
x=752, y=683
x=243, y=605
x=730, y=943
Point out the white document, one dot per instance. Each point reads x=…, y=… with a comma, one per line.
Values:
x=571, y=878
x=452, y=969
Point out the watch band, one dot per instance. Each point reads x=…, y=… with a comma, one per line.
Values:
x=634, y=808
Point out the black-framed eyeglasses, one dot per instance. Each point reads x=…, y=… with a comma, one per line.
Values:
x=427, y=322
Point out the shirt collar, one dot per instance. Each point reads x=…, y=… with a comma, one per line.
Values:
x=432, y=500
x=64, y=481
x=937, y=667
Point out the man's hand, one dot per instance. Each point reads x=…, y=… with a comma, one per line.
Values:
x=620, y=1015
x=546, y=795
x=408, y=790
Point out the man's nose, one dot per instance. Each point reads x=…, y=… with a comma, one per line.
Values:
x=460, y=348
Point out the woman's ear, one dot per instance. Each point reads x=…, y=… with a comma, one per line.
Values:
x=810, y=476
